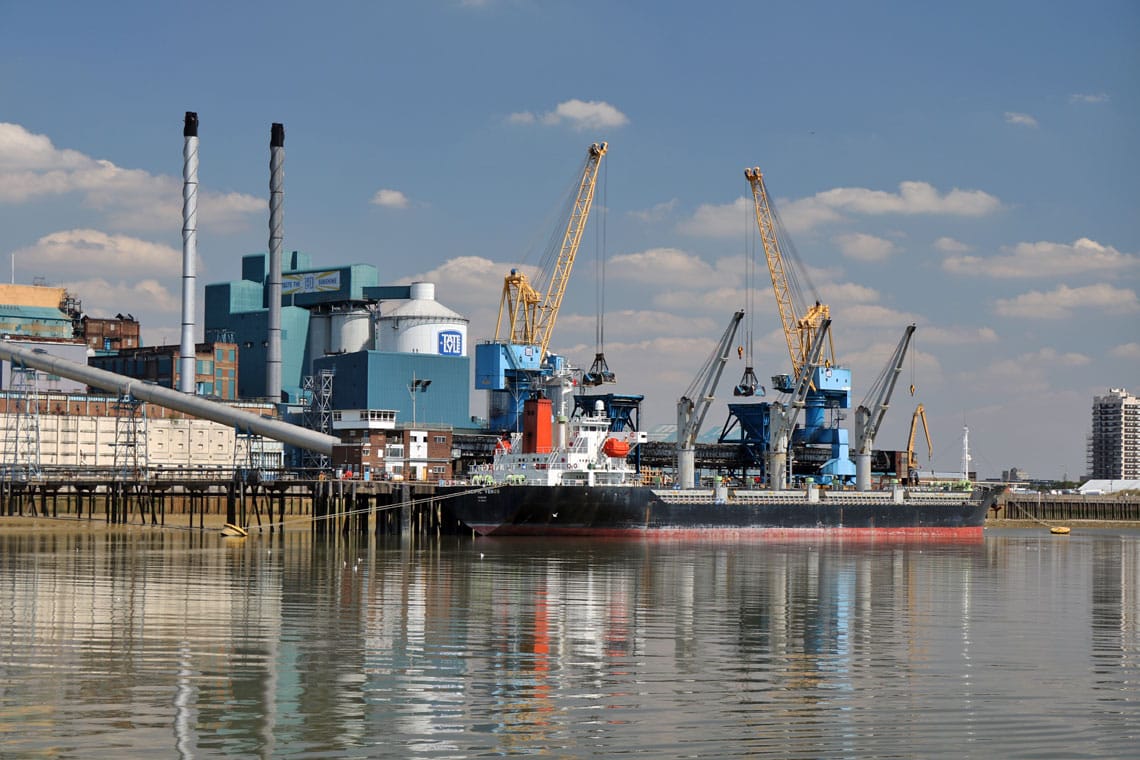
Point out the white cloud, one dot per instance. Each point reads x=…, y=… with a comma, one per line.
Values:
x=390, y=198
x=62, y=253
x=728, y=220
x=950, y=245
x=721, y=300
x=632, y=324
x=912, y=198
x=32, y=168
x=957, y=336
x=662, y=266
x=1031, y=372
x=1044, y=259
x=470, y=280
x=806, y=214
x=659, y=212
x=1041, y=360
x=850, y=293
x=102, y=298
x=1020, y=119
x=1126, y=351
x=579, y=114
x=869, y=315
x=863, y=247
x=1088, y=97
x=1062, y=302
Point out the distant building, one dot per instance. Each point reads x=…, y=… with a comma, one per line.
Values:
x=38, y=312
x=109, y=335
x=40, y=318
x=375, y=447
x=88, y=431
x=216, y=364
x=1114, y=443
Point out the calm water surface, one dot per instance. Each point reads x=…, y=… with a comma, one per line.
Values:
x=178, y=644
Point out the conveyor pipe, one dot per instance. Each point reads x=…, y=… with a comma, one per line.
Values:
x=195, y=406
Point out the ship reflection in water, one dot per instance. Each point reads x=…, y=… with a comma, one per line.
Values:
x=141, y=644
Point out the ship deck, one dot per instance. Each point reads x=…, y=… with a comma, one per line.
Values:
x=742, y=496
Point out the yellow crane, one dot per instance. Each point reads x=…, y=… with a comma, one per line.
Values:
x=800, y=324
x=911, y=460
x=527, y=316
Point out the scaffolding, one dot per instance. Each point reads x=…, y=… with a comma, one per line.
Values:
x=131, y=463
x=318, y=414
x=22, y=456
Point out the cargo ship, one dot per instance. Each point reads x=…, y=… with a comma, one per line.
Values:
x=583, y=485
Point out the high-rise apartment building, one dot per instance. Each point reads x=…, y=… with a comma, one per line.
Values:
x=1114, y=444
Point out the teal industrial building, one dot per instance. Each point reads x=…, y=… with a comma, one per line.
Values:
x=380, y=346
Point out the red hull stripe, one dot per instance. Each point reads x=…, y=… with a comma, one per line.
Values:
x=915, y=533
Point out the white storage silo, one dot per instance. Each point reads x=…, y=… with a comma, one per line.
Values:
x=351, y=330
x=319, y=322
x=422, y=325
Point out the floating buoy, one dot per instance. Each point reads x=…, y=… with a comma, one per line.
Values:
x=1060, y=530
x=234, y=531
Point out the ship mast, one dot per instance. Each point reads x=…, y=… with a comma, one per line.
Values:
x=965, y=452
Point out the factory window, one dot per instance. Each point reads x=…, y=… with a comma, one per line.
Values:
x=440, y=439
x=205, y=367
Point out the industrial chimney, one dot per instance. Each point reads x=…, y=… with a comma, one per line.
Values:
x=187, y=376
x=276, y=222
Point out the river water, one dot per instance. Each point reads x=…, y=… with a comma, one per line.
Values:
x=139, y=643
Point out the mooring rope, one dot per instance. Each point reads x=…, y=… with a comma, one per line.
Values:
x=374, y=508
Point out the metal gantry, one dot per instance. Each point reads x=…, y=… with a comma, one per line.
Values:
x=22, y=456
x=317, y=414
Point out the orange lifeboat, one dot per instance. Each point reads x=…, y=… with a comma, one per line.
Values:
x=615, y=448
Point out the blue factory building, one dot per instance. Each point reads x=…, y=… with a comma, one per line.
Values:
x=377, y=341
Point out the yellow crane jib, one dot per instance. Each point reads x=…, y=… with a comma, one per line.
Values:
x=530, y=315
x=799, y=328
x=912, y=461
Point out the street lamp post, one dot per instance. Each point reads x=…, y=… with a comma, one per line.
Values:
x=420, y=385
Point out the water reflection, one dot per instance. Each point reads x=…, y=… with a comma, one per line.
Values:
x=142, y=643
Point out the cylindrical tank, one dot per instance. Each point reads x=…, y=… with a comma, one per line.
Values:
x=319, y=323
x=422, y=325
x=351, y=330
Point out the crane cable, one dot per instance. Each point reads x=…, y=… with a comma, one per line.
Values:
x=912, y=353
x=600, y=269
x=749, y=280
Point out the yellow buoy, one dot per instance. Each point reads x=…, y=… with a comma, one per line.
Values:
x=234, y=531
x=1060, y=530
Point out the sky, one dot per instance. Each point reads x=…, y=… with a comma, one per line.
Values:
x=968, y=167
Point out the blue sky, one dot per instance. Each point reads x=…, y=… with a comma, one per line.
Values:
x=970, y=167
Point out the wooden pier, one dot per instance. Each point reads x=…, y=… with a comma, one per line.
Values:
x=324, y=506
x=1108, y=508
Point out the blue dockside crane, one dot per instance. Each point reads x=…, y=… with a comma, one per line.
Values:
x=817, y=445
x=518, y=363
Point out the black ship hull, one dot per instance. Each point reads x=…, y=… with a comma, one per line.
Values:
x=521, y=510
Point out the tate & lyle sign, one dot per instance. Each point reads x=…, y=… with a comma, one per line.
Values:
x=310, y=282
x=451, y=343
